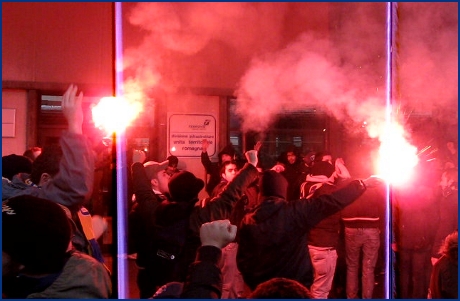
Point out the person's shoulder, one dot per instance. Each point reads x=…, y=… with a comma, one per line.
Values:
x=83, y=260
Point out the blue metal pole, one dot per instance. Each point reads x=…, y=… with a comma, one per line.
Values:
x=122, y=257
x=391, y=50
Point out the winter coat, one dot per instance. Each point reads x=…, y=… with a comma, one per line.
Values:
x=82, y=277
x=273, y=237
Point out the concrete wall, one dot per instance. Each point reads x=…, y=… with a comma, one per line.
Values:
x=15, y=99
x=47, y=46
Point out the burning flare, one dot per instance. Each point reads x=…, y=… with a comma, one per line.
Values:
x=114, y=114
x=397, y=157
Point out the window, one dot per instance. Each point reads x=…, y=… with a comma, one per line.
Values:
x=305, y=129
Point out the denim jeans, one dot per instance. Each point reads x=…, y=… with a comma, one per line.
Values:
x=324, y=261
x=367, y=240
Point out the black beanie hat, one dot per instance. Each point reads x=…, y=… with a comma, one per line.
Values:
x=273, y=183
x=14, y=164
x=322, y=168
x=184, y=186
x=35, y=233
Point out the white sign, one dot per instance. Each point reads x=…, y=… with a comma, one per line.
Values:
x=187, y=131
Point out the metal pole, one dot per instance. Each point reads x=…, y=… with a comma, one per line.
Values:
x=121, y=209
x=391, y=50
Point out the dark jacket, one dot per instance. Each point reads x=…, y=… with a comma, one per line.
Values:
x=447, y=207
x=367, y=211
x=295, y=175
x=273, y=237
x=213, y=170
x=141, y=219
x=158, y=229
x=204, y=279
x=326, y=232
x=82, y=277
x=444, y=279
x=414, y=214
x=221, y=206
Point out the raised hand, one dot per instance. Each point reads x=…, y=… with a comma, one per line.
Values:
x=278, y=168
x=139, y=156
x=251, y=156
x=257, y=146
x=204, y=145
x=72, y=110
x=218, y=233
x=373, y=181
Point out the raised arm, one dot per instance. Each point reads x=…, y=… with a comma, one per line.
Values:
x=204, y=278
x=311, y=211
x=221, y=206
x=72, y=186
x=205, y=157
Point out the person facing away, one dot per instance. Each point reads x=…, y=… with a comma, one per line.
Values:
x=273, y=236
x=64, y=174
x=444, y=276
x=38, y=258
x=204, y=277
x=14, y=164
x=414, y=219
x=362, y=221
x=72, y=186
x=213, y=168
x=323, y=238
x=448, y=209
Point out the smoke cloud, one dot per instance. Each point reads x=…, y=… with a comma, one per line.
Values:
x=286, y=63
x=345, y=75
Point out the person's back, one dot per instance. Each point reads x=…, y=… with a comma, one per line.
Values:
x=273, y=237
x=448, y=208
x=362, y=220
x=83, y=277
x=414, y=229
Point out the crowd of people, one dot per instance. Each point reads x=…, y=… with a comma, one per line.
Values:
x=279, y=232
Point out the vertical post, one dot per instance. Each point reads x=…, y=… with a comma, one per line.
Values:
x=391, y=51
x=122, y=284
x=113, y=214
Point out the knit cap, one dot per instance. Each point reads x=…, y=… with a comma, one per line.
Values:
x=273, y=183
x=35, y=233
x=322, y=168
x=184, y=186
x=14, y=164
